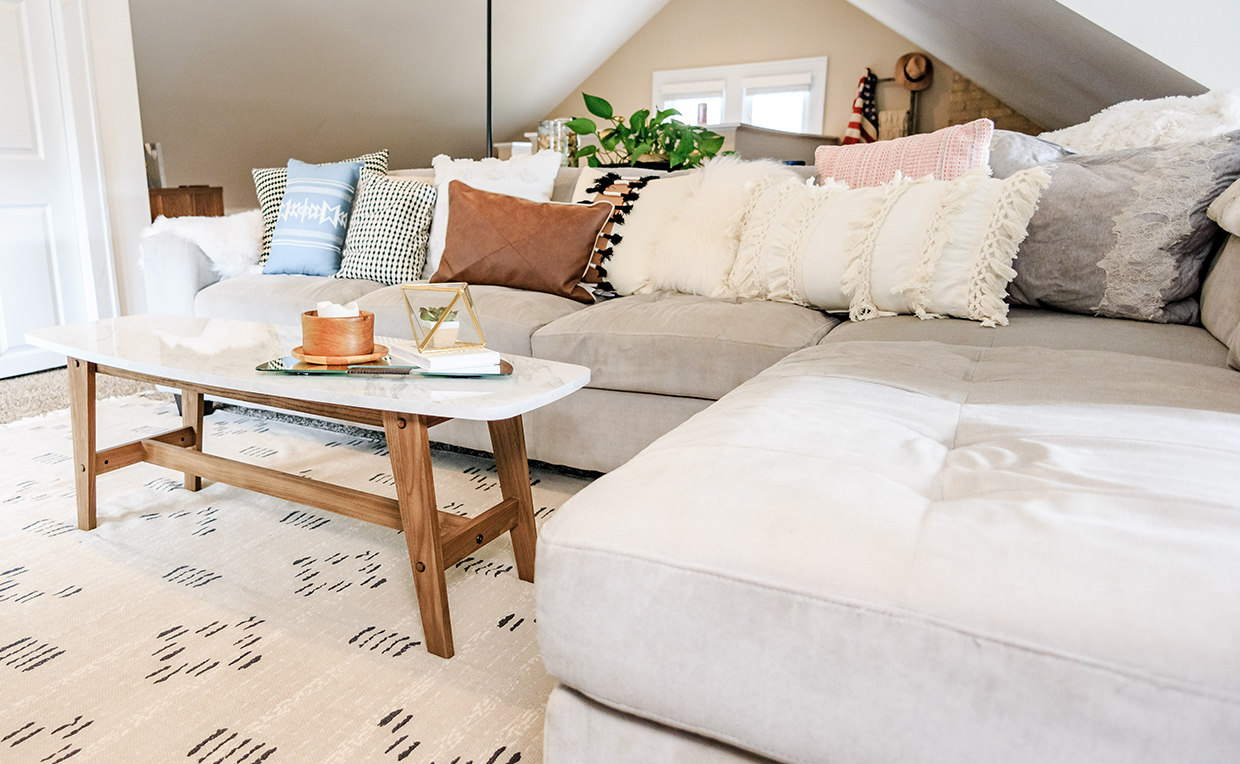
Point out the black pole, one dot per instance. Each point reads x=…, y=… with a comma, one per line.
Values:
x=490, y=144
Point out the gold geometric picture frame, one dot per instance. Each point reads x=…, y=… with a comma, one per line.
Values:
x=433, y=315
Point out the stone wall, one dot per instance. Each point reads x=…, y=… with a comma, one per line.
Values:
x=970, y=102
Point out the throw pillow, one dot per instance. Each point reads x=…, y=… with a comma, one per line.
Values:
x=1011, y=152
x=506, y=241
x=644, y=202
x=269, y=184
x=1133, y=124
x=698, y=246
x=1126, y=234
x=389, y=231
x=946, y=154
x=914, y=245
x=1225, y=210
x=528, y=177
x=314, y=216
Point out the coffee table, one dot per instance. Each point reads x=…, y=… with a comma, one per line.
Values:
x=217, y=357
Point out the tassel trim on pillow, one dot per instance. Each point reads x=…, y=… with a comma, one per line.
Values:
x=857, y=282
x=1008, y=226
x=787, y=248
x=939, y=233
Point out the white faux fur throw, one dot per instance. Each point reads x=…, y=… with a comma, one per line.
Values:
x=1133, y=124
x=232, y=243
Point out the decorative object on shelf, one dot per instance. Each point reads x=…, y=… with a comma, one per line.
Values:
x=337, y=335
x=644, y=140
x=554, y=134
x=436, y=315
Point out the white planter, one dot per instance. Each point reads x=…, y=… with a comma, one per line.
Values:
x=444, y=336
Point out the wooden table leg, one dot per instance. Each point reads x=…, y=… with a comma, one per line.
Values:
x=508, y=443
x=191, y=416
x=410, y=451
x=82, y=416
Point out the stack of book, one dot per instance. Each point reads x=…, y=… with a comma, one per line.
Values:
x=466, y=361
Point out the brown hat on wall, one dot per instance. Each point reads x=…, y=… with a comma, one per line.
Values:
x=914, y=71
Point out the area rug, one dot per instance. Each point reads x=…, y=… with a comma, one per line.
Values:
x=227, y=627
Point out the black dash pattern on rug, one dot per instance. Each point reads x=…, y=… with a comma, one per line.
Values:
x=50, y=739
x=28, y=654
x=185, y=651
x=338, y=572
x=232, y=747
x=393, y=643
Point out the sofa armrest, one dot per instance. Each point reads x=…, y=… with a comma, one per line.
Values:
x=175, y=270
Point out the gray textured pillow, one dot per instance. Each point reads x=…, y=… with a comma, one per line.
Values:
x=1012, y=152
x=1126, y=234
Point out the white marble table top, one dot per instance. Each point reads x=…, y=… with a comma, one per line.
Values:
x=221, y=353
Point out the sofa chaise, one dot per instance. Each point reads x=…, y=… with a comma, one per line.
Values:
x=893, y=540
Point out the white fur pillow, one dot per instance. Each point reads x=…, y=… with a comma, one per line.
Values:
x=698, y=245
x=919, y=246
x=1134, y=124
x=527, y=177
x=231, y=243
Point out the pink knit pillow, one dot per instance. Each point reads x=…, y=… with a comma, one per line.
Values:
x=946, y=154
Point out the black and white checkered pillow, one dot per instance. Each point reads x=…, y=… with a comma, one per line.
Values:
x=270, y=183
x=389, y=230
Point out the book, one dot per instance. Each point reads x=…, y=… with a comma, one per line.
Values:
x=483, y=359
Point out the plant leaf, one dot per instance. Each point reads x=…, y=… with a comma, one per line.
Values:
x=592, y=161
x=711, y=144
x=638, y=120
x=599, y=107
x=581, y=125
x=586, y=151
x=663, y=115
x=609, y=140
x=641, y=150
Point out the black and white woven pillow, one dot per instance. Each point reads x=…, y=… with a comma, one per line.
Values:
x=390, y=229
x=270, y=182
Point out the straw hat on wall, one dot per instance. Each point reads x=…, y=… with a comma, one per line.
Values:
x=914, y=71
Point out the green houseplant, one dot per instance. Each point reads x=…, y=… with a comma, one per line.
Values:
x=643, y=138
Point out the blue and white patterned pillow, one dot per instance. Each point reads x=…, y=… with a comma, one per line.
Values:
x=313, y=219
x=269, y=183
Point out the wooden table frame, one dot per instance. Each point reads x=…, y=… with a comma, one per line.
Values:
x=436, y=540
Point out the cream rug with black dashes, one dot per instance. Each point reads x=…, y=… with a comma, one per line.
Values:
x=227, y=627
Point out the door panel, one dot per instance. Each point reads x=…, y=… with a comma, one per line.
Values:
x=42, y=244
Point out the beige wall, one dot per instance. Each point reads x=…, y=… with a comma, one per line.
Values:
x=692, y=33
x=228, y=85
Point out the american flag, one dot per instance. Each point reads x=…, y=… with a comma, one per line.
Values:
x=863, y=128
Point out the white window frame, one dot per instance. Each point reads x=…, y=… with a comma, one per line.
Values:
x=736, y=77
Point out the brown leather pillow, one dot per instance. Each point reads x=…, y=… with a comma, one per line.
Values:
x=506, y=241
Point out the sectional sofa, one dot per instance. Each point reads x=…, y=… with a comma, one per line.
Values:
x=888, y=541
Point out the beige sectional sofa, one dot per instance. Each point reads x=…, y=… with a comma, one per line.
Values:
x=892, y=541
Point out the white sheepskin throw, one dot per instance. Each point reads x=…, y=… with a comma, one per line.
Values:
x=232, y=243
x=1133, y=124
x=698, y=246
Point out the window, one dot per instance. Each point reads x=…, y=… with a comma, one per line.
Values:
x=780, y=95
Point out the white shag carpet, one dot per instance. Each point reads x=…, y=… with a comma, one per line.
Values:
x=227, y=627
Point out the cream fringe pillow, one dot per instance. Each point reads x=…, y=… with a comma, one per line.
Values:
x=921, y=246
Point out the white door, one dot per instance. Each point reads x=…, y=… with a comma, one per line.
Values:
x=42, y=242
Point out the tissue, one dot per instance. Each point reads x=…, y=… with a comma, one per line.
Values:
x=329, y=309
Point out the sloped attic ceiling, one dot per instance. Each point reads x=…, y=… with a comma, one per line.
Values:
x=227, y=85
x=1045, y=60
